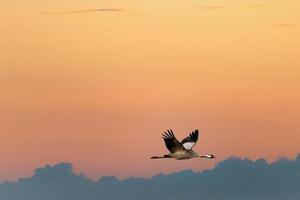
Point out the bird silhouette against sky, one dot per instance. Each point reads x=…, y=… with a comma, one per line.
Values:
x=181, y=150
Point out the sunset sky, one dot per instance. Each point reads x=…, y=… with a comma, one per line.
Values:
x=95, y=83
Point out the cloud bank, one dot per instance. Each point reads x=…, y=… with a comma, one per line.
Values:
x=231, y=179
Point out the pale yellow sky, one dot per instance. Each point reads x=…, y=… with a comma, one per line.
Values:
x=83, y=87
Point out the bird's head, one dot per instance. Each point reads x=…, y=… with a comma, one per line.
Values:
x=209, y=156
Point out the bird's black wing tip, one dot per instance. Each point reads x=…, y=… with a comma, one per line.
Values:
x=168, y=134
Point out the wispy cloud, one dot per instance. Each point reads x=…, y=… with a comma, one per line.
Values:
x=210, y=7
x=283, y=25
x=259, y=5
x=82, y=11
x=136, y=13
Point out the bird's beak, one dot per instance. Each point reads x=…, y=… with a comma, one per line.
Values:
x=212, y=156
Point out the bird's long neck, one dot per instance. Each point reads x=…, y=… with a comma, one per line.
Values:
x=158, y=157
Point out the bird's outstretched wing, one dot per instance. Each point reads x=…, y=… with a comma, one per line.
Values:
x=190, y=140
x=171, y=142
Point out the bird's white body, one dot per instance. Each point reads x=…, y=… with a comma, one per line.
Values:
x=183, y=154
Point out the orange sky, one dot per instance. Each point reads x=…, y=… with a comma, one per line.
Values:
x=98, y=87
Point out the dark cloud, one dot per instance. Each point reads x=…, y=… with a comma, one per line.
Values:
x=231, y=179
x=83, y=11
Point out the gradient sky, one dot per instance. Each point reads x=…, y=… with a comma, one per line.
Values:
x=96, y=82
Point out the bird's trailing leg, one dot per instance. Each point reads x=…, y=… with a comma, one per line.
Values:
x=158, y=157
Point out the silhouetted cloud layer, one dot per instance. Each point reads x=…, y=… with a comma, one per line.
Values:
x=231, y=179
